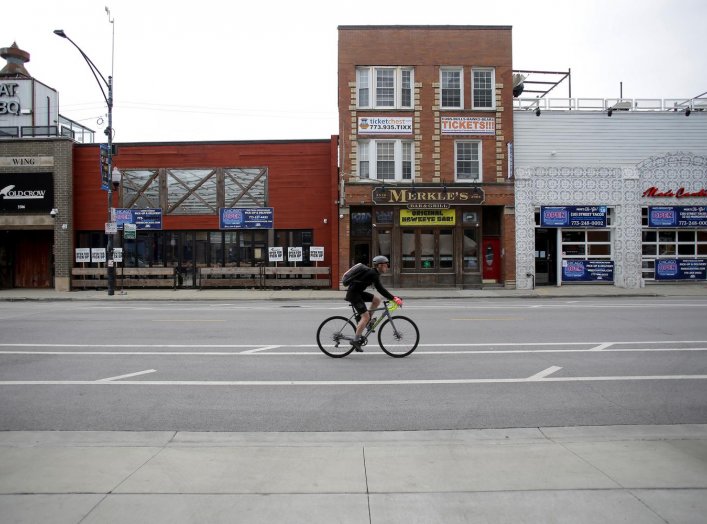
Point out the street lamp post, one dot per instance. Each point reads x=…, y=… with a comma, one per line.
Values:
x=108, y=97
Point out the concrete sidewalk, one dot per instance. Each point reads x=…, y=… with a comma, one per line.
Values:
x=657, y=290
x=632, y=474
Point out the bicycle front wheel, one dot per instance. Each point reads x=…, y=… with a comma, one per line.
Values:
x=334, y=336
x=398, y=336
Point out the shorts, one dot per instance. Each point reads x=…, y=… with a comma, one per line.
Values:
x=358, y=301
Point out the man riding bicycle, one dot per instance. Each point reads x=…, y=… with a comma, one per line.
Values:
x=358, y=296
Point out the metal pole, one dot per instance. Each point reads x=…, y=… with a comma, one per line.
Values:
x=109, y=132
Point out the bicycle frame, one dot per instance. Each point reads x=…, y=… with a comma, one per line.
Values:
x=370, y=328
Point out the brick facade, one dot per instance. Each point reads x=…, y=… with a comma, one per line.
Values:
x=427, y=49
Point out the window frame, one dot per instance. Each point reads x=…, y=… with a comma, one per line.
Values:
x=460, y=72
x=367, y=154
x=491, y=88
x=479, y=161
x=369, y=74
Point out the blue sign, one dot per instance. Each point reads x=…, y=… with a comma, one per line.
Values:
x=677, y=216
x=149, y=218
x=573, y=216
x=105, y=168
x=246, y=218
x=681, y=269
x=587, y=270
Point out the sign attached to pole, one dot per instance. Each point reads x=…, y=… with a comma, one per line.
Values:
x=129, y=231
x=294, y=254
x=316, y=254
x=275, y=254
x=83, y=254
x=98, y=254
x=117, y=254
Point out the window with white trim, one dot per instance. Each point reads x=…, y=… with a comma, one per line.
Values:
x=384, y=87
x=386, y=159
x=451, y=81
x=467, y=164
x=482, y=90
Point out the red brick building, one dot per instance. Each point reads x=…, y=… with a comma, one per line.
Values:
x=190, y=182
x=426, y=127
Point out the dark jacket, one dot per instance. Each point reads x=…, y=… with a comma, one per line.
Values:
x=370, y=277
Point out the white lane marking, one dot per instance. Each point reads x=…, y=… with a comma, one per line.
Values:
x=602, y=346
x=129, y=375
x=306, y=353
x=257, y=350
x=252, y=346
x=545, y=373
x=232, y=383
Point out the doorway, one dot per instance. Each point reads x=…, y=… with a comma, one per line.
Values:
x=545, y=257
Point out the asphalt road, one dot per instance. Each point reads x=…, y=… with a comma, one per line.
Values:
x=255, y=366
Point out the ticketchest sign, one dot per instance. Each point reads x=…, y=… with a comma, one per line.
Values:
x=428, y=197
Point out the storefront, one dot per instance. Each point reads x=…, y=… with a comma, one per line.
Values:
x=434, y=237
x=620, y=226
x=212, y=205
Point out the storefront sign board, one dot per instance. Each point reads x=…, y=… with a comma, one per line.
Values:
x=316, y=254
x=246, y=218
x=294, y=254
x=587, y=270
x=26, y=192
x=427, y=217
x=681, y=269
x=468, y=125
x=677, y=216
x=573, y=216
x=414, y=196
x=149, y=218
x=275, y=254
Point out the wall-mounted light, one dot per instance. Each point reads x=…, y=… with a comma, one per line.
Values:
x=326, y=221
x=54, y=212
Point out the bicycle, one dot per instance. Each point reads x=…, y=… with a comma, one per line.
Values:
x=398, y=336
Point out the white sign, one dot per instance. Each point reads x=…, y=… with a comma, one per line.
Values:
x=294, y=254
x=385, y=125
x=316, y=254
x=275, y=254
x=117, y=254
x=83, y=254
x=468, y=125
x=111, y=228
x=98, y=254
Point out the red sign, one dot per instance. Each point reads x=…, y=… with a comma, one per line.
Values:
x=654, y=192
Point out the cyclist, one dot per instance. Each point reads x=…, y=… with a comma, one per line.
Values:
x=358, y=296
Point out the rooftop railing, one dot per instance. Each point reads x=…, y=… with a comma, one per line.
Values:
x=604, y=104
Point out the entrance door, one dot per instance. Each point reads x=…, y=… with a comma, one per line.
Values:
x=545, y=253
x=491, y=259
x=361, y=252
x=33, y=264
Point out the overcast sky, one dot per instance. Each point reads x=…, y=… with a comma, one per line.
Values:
x=267, y=70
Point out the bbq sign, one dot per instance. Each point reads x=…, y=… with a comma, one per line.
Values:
x=26, y=193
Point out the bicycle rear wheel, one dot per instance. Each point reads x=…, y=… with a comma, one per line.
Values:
x=398, y=336
x=330, y=336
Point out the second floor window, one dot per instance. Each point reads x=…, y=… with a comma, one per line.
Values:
x=467, y=161
x=385, y=159
x=384, y=87
x=451, y=81
x=483, y=88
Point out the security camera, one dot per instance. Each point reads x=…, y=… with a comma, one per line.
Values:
x=54, y=212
